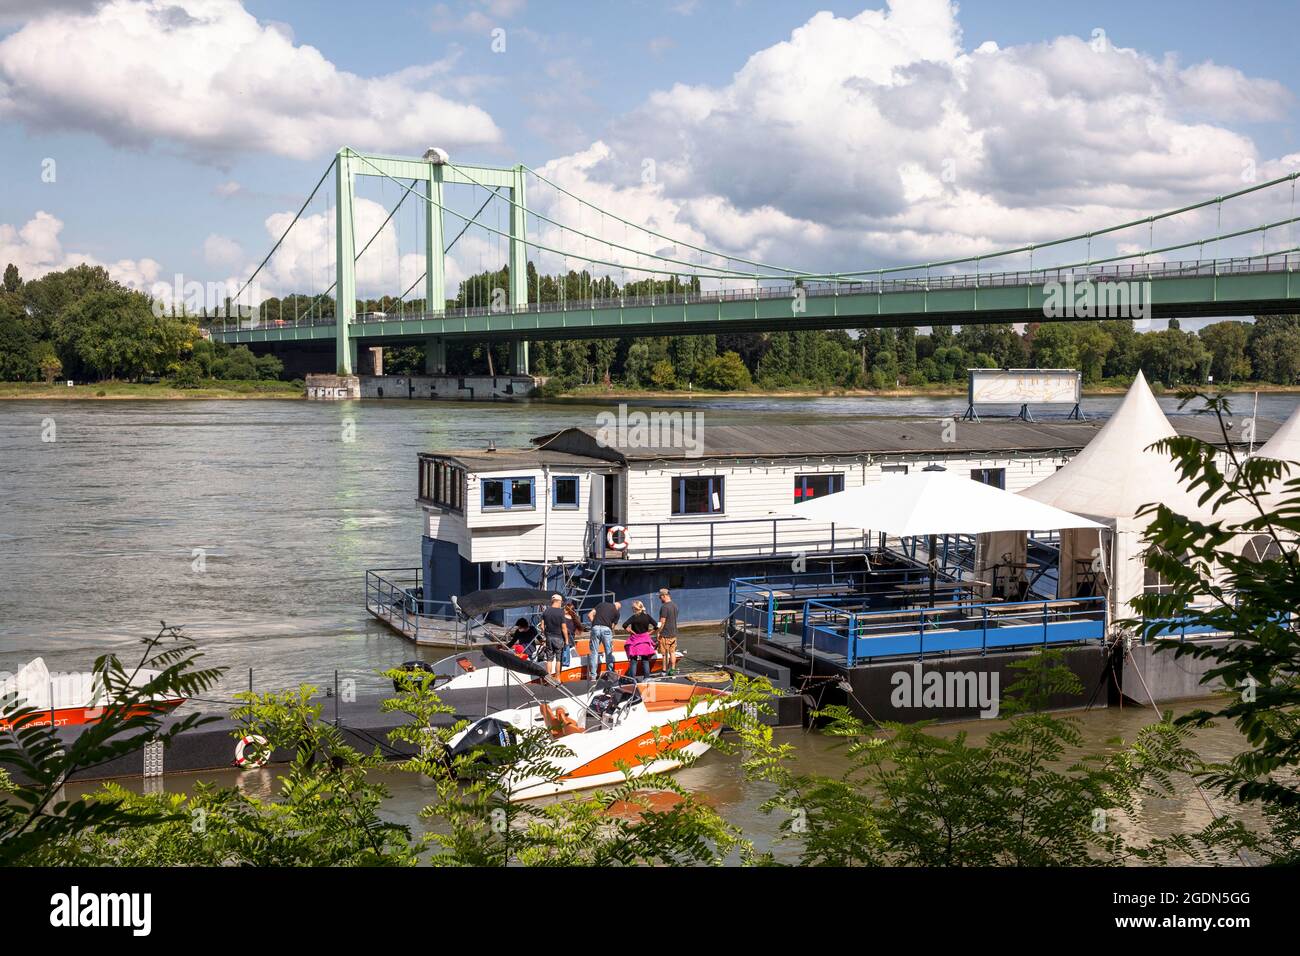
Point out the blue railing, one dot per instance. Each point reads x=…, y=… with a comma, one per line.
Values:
x=768, y=602
x=857, y=635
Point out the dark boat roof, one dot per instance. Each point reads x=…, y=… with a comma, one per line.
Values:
x=480, y=459
x=875, y=437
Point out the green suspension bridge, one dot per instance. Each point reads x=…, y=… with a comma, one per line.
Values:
x=636, y=281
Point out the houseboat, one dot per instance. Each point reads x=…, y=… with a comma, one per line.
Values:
x=625, y=511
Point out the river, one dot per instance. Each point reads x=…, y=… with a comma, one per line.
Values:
x=252, y=524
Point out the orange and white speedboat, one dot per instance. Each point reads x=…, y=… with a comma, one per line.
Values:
x=66, y=699
x=618, y=722
x=473, y=670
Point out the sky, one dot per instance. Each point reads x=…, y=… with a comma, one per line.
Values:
x=173, y=138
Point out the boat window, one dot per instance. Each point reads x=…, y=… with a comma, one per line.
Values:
x=997, y=477
x=504, y=494
x=442, y=483
x=817, y=486
x=566, y=492
x=698, y=495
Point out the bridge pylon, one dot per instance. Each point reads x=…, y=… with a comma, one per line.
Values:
x=432, y=171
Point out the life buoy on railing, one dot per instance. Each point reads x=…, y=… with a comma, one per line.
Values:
x=616, y=538
x=245, y=762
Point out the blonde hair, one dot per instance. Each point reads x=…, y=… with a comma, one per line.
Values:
x=638, y=606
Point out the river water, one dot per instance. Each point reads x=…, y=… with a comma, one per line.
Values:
x=252, y=523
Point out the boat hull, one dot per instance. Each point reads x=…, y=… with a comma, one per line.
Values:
x=79, y=716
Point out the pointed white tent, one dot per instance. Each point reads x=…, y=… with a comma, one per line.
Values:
x=1285, y=443
x=1112, y=479
x=1284, y=446
x=1116, y=474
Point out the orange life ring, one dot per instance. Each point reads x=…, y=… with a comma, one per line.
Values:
x=616, y=538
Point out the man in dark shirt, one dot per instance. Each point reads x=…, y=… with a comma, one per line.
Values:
x=668, y=631
x=555, y=626
x=603, y=617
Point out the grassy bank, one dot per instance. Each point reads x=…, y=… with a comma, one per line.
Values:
x=154, y=390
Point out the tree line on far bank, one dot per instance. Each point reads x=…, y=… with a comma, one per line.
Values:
x=80, y=324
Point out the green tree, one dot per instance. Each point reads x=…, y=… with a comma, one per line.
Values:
x=13, y=282
x=19, y=358
x=1275, y=348
x=114, y=334
x=725, y=372
x=1055, y=345
x=1226, y=343
x=1236, y=572
x=54, y=293
x=662, y=376
x=1092, y=345
x=36, y=821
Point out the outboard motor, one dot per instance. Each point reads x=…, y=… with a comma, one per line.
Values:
x=488, y=732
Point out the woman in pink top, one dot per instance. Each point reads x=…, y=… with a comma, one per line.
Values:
x=640, y=645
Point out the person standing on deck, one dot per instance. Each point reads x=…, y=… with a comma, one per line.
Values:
x=555, y=627
x=603, y=617
x=668, y=630
x=640, y=644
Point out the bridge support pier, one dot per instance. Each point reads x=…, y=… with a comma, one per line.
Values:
x=519, y=357
x=435, y=356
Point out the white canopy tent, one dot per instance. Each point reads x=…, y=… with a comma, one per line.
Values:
x=935, y=502
x=1112, y=479
x=1283, y=446
x=931, y=503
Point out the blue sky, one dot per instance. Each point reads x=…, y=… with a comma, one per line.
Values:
x=184, y=184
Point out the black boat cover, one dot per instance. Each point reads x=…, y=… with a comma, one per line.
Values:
x=496, y=599
x=511, y=661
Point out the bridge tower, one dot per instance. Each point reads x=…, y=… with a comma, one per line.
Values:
x=432, y=171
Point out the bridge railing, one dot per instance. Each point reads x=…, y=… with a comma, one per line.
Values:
x=1118, y=272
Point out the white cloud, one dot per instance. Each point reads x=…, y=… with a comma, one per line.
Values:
x=206, y=78
x=221, y=251
x=881, y=139
x=35, y=248
x=474, y=16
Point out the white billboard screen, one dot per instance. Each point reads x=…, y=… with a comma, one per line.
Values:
x=995, y=386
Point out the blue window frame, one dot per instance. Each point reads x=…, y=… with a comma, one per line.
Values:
x=699, y=495
x=564, y=492
x=817, y=485
x=997, y=477
x=506, y=494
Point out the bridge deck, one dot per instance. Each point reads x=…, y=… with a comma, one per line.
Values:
x=1168, y=289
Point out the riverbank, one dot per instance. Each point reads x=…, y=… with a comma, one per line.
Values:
x=151, y=390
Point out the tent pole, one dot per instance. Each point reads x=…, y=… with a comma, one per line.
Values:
x=932, y=569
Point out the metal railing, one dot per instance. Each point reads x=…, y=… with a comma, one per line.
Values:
x=1126, y=272
x=857, y=635
x=772, y=603
x=396, y=597
x=692, y=539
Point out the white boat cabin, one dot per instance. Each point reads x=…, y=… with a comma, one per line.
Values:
x=578, y=494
